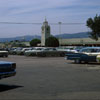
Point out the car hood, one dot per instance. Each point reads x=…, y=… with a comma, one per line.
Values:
x=6, y=64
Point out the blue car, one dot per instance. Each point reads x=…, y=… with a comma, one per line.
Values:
x=80, y=57
x=87, y=54
x=7, y=69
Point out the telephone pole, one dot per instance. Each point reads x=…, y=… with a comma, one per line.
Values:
x=60, y=32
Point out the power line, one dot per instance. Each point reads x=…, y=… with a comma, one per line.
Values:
x=42, y=23
x=18, y=23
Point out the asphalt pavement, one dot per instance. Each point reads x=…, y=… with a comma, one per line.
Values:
x=51, y=78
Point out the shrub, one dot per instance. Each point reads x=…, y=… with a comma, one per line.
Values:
x=34, y=42
x=52, y=42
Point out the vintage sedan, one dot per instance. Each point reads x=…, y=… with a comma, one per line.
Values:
x=22, y=51
x=3, y=53
x=87, y=54
x=33, y=51
x=7, y=69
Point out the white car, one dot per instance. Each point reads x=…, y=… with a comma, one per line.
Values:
x=22, y=51
x=3, y=53
x=33, y=51
x=92, y=51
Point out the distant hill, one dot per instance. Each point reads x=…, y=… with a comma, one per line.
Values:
x=30, y=37
x=74, y=35
x=20, y=38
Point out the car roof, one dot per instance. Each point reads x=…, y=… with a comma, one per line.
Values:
x=91, y=48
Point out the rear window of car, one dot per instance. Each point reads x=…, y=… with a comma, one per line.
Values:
x=90, y=50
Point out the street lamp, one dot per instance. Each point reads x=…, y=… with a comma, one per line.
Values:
x=60, y=31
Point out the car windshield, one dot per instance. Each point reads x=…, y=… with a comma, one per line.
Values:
x=90, y=50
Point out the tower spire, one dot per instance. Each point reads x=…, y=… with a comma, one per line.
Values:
x=45, y=19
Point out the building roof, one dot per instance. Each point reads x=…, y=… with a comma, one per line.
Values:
x=78, y=41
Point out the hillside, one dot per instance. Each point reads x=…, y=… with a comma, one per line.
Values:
x=75, y=35
x=63, y=36
x=20, y=38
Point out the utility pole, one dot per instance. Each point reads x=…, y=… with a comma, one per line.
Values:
x=60, y=32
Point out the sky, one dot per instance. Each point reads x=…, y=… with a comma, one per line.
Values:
x=35, y=11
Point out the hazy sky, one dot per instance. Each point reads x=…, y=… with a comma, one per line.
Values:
x=34, y=11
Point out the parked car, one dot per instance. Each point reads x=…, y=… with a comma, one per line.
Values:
x=66, y=49
x=22, y=51
x=87, y=54
x=98, y=58
x=46, y=51
x=14, y=51
x=3, y=53
x=7, y=69
x=50, y=52
x=33, y=51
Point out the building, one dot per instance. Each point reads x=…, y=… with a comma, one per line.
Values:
x=79, y=42
x=45, y=32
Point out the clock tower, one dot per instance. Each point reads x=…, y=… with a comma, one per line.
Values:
x=45, y=32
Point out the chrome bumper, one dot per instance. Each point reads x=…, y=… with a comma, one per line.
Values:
x=7, y=74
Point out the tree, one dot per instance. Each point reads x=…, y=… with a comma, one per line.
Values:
x=16, y=40
x=94, y=25
x=34, y=42
x=52, y=42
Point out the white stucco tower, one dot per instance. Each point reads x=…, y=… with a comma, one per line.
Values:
x=45, y=32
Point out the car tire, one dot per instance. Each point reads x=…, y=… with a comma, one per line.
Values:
x=77, y=61
x=86, y=62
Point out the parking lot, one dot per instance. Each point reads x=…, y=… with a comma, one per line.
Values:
x=51, y=78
